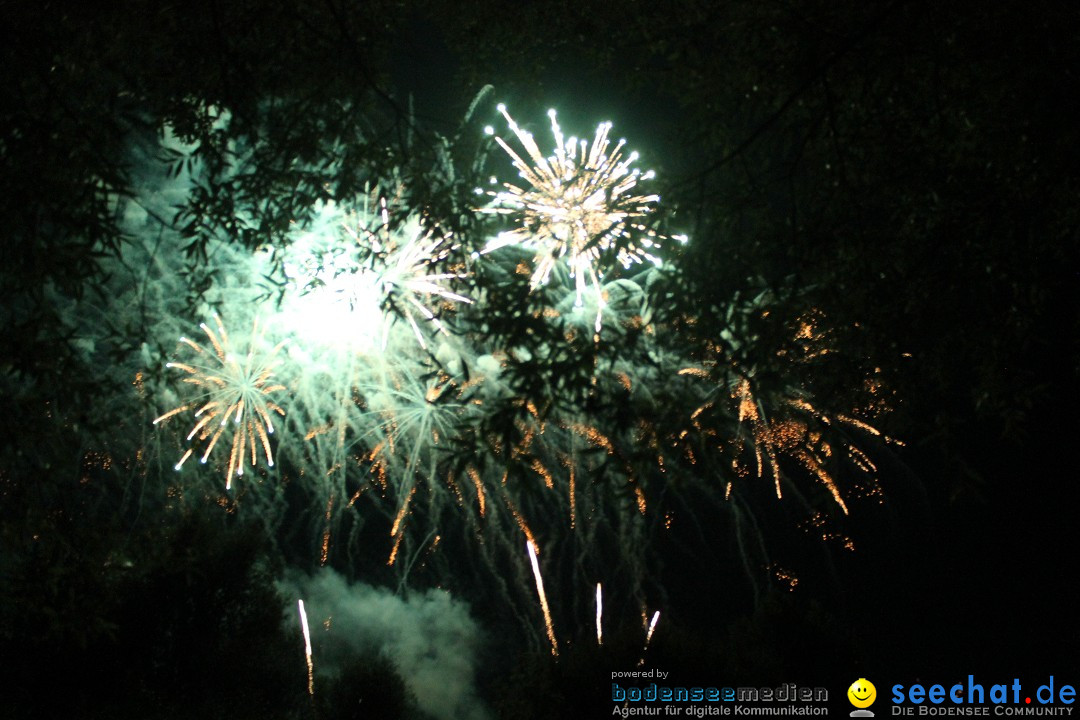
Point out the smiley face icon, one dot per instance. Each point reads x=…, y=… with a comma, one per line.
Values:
x=862, y=693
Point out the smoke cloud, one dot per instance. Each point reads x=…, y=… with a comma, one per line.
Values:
x=430, y=637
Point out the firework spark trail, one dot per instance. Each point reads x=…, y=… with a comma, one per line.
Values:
x=599, y=615
x=648, y=637
x=652, y=628
x=531, y=548
x=762, y=432
x=230, y=387
x=326, y=532
x=307, y=649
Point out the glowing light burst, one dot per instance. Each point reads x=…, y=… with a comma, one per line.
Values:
x=347, y=285
x=580, y=203
x=230, y=385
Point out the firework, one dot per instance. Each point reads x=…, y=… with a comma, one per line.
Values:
x=230, y=385
x=770, y=438
x=405, y=268
x=344, y=274
x=781, y=425
x=412, y=415
x=487, y=431
x=648, y=636
x=531, y=548
x=652, y=628
x=580, y=203
x=307, y=648
x=599, y=615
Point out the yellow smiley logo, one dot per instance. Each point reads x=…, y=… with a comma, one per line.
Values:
x=862, y=693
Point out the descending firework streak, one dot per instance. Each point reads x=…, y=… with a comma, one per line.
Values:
x=599, y=614
x=530, y=547
x=307, y=646
x=232, y=392
x=648, y=637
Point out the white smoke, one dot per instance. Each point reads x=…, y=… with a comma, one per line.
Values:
x=430, y=637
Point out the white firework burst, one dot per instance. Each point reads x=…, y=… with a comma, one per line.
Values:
x=580, y=203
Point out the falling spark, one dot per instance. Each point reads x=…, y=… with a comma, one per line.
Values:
x=234, y=387
x=397, y=532
x=517, y=516
x=764, y=437
x=652, y=628
x=573, y=496
x=580, y=203
x=479, y=484
x=326, y=532
x=599, y=615
x=394, y=551
x=531, y=548
x=648, y=637
x=307, y=649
